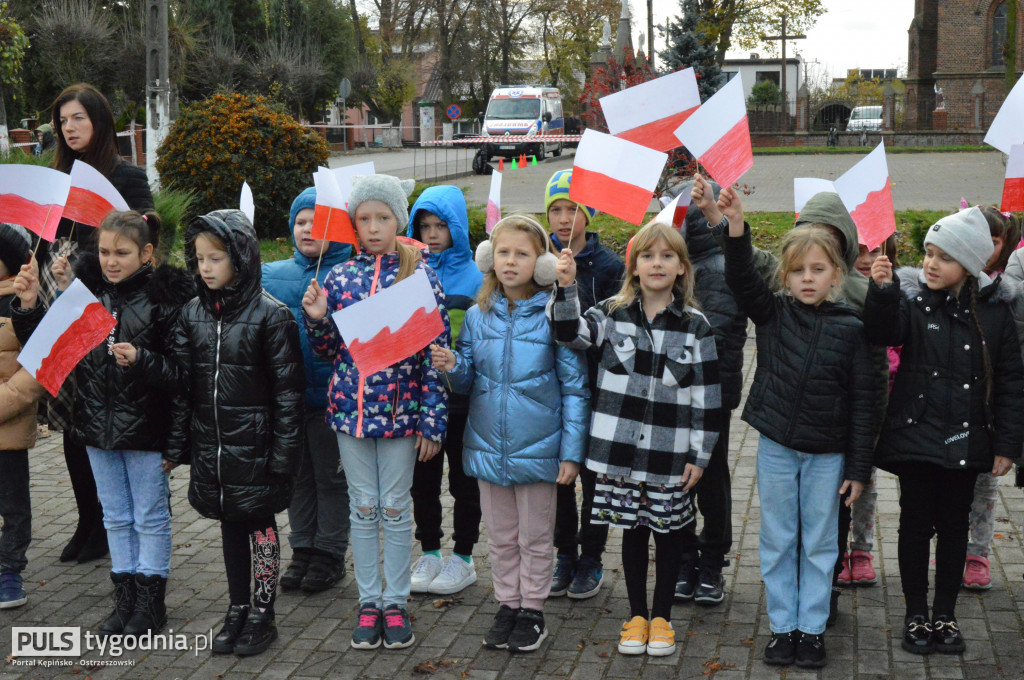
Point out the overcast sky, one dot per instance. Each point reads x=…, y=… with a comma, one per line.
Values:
x=851, y=33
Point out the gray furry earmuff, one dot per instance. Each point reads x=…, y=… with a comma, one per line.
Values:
x=543, y=271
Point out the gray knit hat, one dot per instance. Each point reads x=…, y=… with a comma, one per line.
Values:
x=389, y=190
x=965, y=237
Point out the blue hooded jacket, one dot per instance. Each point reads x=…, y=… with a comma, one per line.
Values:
x=459, y=275
x=287, y=280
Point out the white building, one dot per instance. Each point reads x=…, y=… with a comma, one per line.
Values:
x=755, y=69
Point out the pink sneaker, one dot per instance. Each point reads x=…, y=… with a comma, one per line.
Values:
x=976, y=574
x=863, y=574
x=845, y=575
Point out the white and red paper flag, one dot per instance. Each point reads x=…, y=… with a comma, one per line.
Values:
x=718, y=134
x=392, y=325
x=75, y=324
x=343, y=176
x=493, y=202
x=92, y=196
x=867, y=193
x=330, y=218
x=1013, y=186
x=246, y=203
x=806, y=187
x=615, y=176
x=1006, y=129
x=651, y=112
x=33, y=197
x=674, y=212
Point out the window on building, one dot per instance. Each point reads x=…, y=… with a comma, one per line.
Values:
x=999, y=34
x=773, y=76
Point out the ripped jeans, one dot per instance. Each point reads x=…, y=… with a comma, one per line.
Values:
x=379, y=474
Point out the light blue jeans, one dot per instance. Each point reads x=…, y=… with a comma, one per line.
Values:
x=133, y=491
x=799, y=533
x=379, y=474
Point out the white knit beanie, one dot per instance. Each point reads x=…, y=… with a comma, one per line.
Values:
x=391, y=191
x=965, y=237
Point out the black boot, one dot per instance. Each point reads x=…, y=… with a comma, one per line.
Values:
x=325, y=570
x=258, y=633
x=235, y=620
x=124, y=604
x=95, y=546
x=292, y=577
x=74, y=546
x=150, y=612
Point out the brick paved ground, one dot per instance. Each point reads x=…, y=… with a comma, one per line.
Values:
x=315, y=629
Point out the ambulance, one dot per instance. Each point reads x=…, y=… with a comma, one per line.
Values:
x=518, y=110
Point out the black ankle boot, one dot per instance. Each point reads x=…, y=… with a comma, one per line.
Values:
x=124, y=604
x=95, y=546
x=74, y=546
x=292, y=577
x=258, y=633
x=150, y=612
x=235, y=620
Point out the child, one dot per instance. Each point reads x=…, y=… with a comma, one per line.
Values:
x=318, y=513
x=1005, y=232
x=579, y=571
x=439, y=219
x=527, y=418
x=242, y=429
x=655, y=419
x=385, y=420
x=121, y=413
x=954, y=410
x=19, y=393
x=812, y=401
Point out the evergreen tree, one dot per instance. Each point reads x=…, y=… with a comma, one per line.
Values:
x=689, y=45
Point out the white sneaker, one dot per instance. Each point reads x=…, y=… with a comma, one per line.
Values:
x=455, y=575
x=424, y=572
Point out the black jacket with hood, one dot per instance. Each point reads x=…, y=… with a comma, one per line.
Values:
x=239, y=351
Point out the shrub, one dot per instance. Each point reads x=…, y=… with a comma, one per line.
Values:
x=218, y=143
x=176, y=208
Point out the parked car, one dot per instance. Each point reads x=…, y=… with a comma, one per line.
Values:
x=867, y=118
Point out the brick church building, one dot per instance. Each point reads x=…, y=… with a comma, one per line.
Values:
x=956, y=49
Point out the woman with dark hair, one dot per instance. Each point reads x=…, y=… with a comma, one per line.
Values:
x=84, y=127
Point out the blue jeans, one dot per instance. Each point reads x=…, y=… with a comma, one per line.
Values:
x=133, y=491
x=379, y=474
x=799, y=533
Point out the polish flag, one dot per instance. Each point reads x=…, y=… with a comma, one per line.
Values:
x=92, y=197
x=74, y=325
x=246, y=203
x=866, y=192
x=33, y=197
x=806, y=187
x=650, y=113
x=718, y=134
x=615, y=176
x=1013, y=187
x=493, y=202
x=674, y=212
x=343, y=176
x=392, y=325
x=1006, y=129
x=330, y=218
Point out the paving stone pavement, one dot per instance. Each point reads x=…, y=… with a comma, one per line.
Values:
x=724, y=641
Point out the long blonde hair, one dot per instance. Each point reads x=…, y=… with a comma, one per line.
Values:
x=794, y=247
x=409, y=257
x=542, y=244
x=682, y=288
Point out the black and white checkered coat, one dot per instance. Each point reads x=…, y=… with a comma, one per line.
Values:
x=658, y=399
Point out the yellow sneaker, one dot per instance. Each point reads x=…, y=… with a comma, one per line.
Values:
x=633, y=639
x=662, y=639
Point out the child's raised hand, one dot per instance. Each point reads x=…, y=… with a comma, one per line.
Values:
x=314, y=301
x=125, y=353
x=703, y=196
x=732, y=207
x=565, y=268
x=426, y=448
x=567, y=472
x=62, y=273
x=855, y=489
x=442, y=359
x=691, y=475
x=26, y=284
x=881, y=270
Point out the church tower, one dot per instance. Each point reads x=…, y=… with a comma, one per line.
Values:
x=922, y=60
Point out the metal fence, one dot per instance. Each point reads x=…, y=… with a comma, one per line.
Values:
x=965, y=113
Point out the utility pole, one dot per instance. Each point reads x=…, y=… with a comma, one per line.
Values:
x=650, y=34
x=783, y=37
x=158, y=86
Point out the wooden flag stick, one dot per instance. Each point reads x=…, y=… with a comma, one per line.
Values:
x=323, y=242
x=572, y=229
x=45, y=222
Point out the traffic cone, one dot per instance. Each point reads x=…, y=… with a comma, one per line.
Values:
x=534, y=160
x=522, y=161
x=514, y=167
x=501, y=165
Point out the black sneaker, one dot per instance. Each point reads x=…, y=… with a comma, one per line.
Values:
x=235, y=620
x=501, y=629
x=529, y=631
x=781, y=649
x=258, y=633
x=324, y=571
x=368, y=632
x=292, y=577
x=833, y=607
x=946, y=636
x=917, y=635
x=686, y=584
x=560, y=582
x=710, y=586
x=397, y=628
x=586, y=580
x=810, y=651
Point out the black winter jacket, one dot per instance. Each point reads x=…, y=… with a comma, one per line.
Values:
x=814, y=388
x=239, y=350
x=937, y=411
x=127, y=408
x=728, y=322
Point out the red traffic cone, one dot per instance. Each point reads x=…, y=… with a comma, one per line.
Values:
x=501, y=165
x=522, y=161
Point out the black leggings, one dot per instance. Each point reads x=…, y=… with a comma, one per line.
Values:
x=635, y=558
x=252, y=550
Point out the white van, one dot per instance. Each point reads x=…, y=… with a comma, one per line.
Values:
x=518, y=110
x=867, y=118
